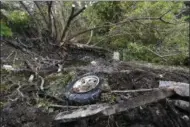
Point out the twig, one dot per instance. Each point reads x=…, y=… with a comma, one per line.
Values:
x=155, y=53
x=108, y=121
x=161, y=17
x=119, y=23
x=10, y=99
x=91, y=34
x=134, y=91
x=71, y=17
x=68, y=23
x=14, y=57
x=49, y=4
x=18, y=89
x=42, y=82
x=61, y=106
x=9, y=55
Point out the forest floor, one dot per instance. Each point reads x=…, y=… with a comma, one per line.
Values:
x=35, y=103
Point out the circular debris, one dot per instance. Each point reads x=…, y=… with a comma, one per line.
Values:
x=84, y=90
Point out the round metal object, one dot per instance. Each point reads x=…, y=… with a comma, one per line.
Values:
x=86, y=84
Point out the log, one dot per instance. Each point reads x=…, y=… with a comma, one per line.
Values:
x=106, y=109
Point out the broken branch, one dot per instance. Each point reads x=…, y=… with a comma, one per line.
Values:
x=134, y=91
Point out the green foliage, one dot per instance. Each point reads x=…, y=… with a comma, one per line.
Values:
x=131, y=26
x=139, y=52
x=177, y=59
x=104, y=12
x=5, y=30
x=18, y=17
x=166, y=36
x=18, y=21
x=14, y=21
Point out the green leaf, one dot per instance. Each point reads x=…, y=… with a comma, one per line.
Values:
x=5, y=30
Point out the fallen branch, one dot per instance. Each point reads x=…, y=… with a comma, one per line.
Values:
x=134, y=91
x=109, y=109
x=61, y=106
x=88, y=47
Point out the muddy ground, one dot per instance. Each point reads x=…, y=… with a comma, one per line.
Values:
x=23, y=104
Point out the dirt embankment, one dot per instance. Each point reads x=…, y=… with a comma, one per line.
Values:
x=24, y=104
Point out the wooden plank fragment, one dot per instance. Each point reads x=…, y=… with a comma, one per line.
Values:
x=109, y=109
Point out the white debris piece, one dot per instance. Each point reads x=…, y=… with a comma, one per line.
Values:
x=93, y=62
x=31, y=78
x=8, y=67
x=116, y=56
x=180, y=88
x=185, y=117
x=60, y=68
x=73, y=5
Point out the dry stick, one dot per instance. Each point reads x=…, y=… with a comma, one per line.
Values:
x=71, y=17
x=108, y=109
x=67, y=24
x=61, y=106
x=49, y=4
x=134, y=91
x=42, y=82
x=91, y=35
x=10, y=54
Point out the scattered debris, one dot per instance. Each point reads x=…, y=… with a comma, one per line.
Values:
x=31, y=78
x=8, y=67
